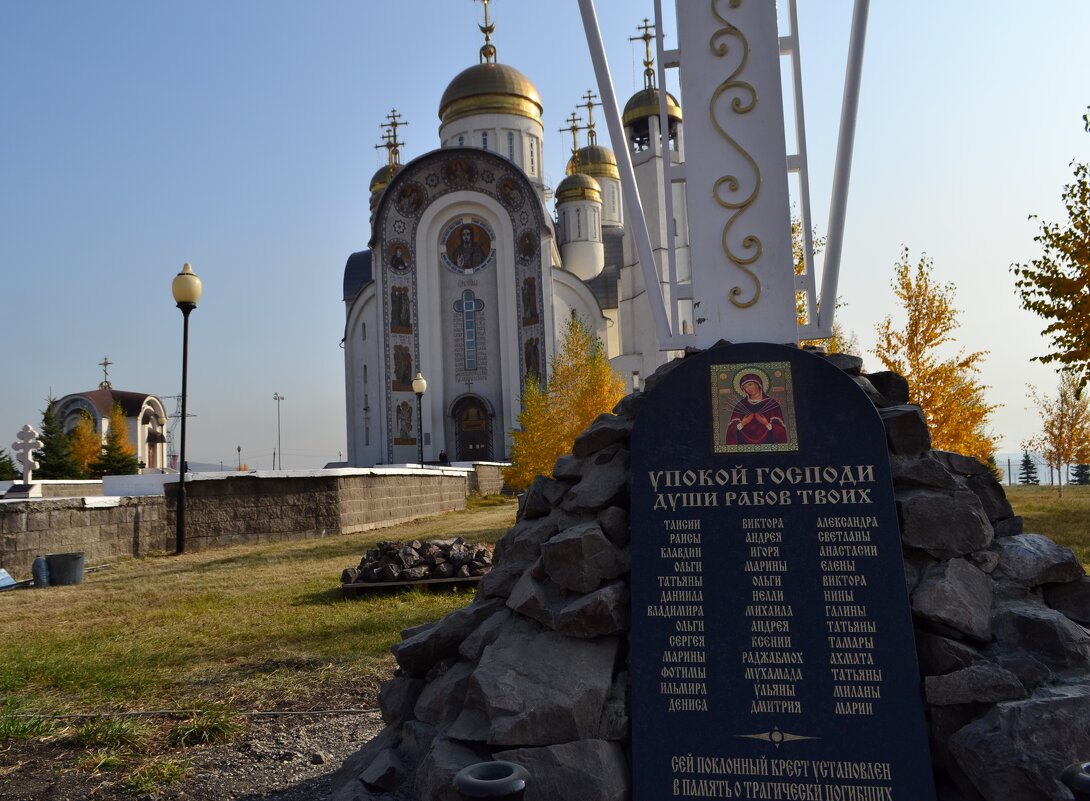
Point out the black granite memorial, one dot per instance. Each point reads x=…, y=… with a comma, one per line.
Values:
x=772, y=647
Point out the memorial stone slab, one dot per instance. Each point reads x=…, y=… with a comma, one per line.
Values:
x=772, y=647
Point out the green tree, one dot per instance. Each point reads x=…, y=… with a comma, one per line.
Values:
x=118, y=455
x=1065, y=426
x=1056, y=285
x=581, y=386
x=1080, y=476
x=55, y=458
x=1027, y=471
x=8, y=471
x=948, y=389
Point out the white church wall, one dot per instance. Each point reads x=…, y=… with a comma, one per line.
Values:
x=364, y=376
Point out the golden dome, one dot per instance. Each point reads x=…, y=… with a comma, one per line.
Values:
x=645, y=103
x=490, y=88
x=382, y=178
x=578, y=186
x=595, y=161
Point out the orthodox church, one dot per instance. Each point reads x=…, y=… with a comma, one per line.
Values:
x=145, y=417
x=468, y=279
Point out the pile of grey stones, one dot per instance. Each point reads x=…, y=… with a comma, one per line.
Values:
x=534, y=671
x=418, y=560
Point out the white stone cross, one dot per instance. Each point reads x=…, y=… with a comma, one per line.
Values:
x=26, y=443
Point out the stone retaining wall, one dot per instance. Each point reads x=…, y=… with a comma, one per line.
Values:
x=103, y=528
x=224, y=509
x=486, y=478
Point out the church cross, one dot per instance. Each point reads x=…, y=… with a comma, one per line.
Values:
x=105, y=364
x=393, y=147
x=649, y=60
x=26, y=442
x=590, y=97
x=488, y=50
x=574, y=121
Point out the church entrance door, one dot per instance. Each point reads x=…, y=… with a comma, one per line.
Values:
x=473, y=428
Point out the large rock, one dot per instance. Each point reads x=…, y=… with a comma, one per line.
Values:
x=941, y=655
x=598, y=614
x=397, y=698
x=604, y=483
x=585, y=770
x=906, y=429
x=945, y=524
x=1043, y=632
x=420, y=652
x=983, y=683
x=542, y=496
x=516, y=551
x=957, y=595
x=444, y=760
x=1071, y=598
x=923, y=471
x=891, y=385
x=543, y=689
x=1018, y=749
x=581, y=558
x=442, y=700
x=606, y=430
x=1030, y=560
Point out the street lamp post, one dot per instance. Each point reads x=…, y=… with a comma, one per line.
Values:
x=186, y=289
x=420, y=386
x=239, y=449
x=279, y=449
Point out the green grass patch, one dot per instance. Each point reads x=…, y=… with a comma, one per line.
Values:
x=1065, y=520
x=154, y=775
x=21, y=726
x=112, y=733
x=102, y=760
x=207, y=727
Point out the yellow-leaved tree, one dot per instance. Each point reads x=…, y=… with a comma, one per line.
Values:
x=841, y=341
x=1065, y=426
x=948, y=389
x=86, y=443
x=118, y=454
x=581, y=386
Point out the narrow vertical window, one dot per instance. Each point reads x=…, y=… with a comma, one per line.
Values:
x=613, y=200
x=363, y=328
x=468, y=307
x=461, y=141
x=511, y=145
x=367, y=435
x=578, y=223
x=365, y=374
x=484, y=139
x=533, y=162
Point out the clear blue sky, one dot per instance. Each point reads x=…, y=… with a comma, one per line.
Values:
x=238, y=136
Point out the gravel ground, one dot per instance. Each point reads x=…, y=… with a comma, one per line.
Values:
x=288, y=758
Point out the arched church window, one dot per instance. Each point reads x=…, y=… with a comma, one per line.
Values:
x=468, y=307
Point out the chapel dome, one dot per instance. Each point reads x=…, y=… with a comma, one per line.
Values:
x=490, y=88
x=381, y=179
x=596, y=161
x=579, y=186
x=645, y=103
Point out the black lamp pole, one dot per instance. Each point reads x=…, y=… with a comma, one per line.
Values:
x=420, y=386
x=186, y=289
x=180, y=516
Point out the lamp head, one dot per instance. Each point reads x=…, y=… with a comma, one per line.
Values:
x=186, y=288
x=420, y=385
